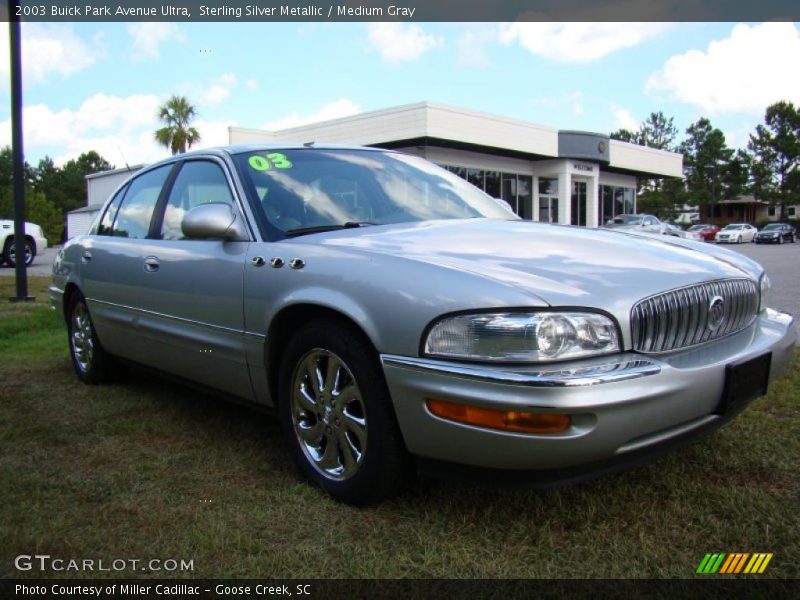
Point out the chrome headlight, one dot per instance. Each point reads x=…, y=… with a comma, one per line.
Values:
x=522, y=337
x=765, y=285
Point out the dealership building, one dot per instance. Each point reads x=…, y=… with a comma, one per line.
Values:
x=569, y=177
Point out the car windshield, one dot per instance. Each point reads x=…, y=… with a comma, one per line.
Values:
x=773, y=227
x=697, y=227
x=626, y=220
x=307, y=190
x=732, y=227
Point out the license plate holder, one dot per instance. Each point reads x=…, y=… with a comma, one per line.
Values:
x=744, y=381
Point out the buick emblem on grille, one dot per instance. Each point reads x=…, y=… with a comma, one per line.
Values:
x=716, y=312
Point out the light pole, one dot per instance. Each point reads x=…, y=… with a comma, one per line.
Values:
x=17, y=156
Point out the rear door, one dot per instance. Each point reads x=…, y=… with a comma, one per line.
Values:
x=111, y=264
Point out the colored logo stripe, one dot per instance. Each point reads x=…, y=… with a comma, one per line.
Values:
x=722, y=563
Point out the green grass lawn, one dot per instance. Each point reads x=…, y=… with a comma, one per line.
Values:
x=148, y=469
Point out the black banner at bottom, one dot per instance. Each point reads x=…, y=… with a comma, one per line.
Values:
x=472, y=589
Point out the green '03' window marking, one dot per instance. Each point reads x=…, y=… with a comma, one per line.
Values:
x=273, y=159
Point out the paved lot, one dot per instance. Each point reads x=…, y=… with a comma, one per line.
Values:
x=782, y=263
x=41, y=266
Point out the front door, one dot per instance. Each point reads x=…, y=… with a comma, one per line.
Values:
x=578, y=203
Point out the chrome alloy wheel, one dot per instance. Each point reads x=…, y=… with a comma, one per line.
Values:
x=82, y=337
x=328, y=414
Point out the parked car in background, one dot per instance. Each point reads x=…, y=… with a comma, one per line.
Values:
x=736, y=233
x=35, y=242
x=675, y=231
x=708, y=232
x=776, y=233
x=646, y=223
x=397, y=318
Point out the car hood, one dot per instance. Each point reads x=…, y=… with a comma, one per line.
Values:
x=561, y=265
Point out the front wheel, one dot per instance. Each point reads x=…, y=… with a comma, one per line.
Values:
x=92, y=363
x=337, y=415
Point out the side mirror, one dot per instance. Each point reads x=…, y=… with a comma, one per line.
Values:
x=213, y=221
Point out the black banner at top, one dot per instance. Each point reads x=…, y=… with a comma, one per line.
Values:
x=400, y=10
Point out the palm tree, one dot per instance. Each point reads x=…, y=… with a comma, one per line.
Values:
x=177, y=135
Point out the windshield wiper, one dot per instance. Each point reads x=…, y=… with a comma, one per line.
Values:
x=330, y=227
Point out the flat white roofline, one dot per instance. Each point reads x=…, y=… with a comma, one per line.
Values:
x=458, y=125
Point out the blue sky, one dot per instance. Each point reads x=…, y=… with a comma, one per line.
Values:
x=97, y=86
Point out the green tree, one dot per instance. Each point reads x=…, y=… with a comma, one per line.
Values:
x=658, y=131
x=66, y=186
x=775, y=149
x=177, y=134
x=706, y=159
x=658, y=196
x=626, y=135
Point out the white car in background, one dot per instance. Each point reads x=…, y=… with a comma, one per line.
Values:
x=35, y=242
x=736, y=233
x=633, y=223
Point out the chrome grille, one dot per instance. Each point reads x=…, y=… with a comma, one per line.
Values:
x=680, y=318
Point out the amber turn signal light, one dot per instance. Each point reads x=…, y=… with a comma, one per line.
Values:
x=504, y=420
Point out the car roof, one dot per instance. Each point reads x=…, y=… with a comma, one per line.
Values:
x=235, y=149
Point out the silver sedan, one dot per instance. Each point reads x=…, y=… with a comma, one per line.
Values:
x=397, y=318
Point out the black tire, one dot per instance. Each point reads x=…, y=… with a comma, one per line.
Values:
x=356, y=464
x=9, y=254
x=92, y=363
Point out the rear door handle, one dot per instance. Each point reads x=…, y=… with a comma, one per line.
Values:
x=151, y=264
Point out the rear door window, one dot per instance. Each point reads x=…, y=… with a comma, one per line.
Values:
x=134, y=216
x=106, y=223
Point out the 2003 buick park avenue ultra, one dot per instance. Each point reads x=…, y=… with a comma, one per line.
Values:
x=397, y=317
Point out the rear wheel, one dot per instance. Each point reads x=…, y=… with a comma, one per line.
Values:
x=337, y=416
x=92, y=364
x=10, y=253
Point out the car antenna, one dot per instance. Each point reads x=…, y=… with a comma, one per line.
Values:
x=309, y=144
x=127, y=166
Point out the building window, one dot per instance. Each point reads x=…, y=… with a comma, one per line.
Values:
x=548, y=200
x=791, y=212
x=515, y=189
x=615, y=200
x=525, y=196
x=771, y=211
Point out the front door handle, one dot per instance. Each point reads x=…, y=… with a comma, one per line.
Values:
x=151, y=264
x=87, y=256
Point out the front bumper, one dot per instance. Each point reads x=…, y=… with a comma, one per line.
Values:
x=621, y=406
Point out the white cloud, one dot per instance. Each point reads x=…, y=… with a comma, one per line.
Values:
x=47, y=50
x=752, y=68
x=147, y=37
x=212, y=133
x=219, y=91
x=343, y=107
x=624, y=119
x=577, y=42
x=251, y=84
x=399, y=42
x=471, y=46
x=119, y=128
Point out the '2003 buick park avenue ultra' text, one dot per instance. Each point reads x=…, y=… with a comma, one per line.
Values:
x=397, y=317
